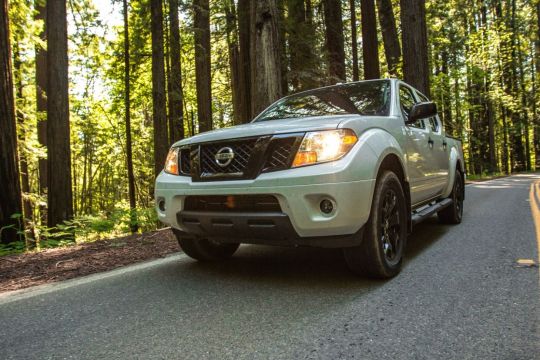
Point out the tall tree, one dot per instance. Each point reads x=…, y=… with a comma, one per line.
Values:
x=176, y=108
x=334, y=40
x=266, y=83
x=244, y=81
x=301, y=35
x=234, y=62
x=202, y=64
x=370, y=44
x=10, y=196
x=354, y=40
x=41, y=98
x=21, y=119
x=392, y=49
x=127, y=110
x=161, y=139
x=415, y=45
x=60, y=199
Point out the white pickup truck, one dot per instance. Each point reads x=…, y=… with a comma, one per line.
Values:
x=351, y=166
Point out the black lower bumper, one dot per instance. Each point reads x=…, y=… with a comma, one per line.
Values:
x=269, y=228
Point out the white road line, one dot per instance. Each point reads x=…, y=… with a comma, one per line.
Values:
x=16, y=295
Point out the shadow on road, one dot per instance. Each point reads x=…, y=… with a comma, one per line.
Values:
x=304, y=267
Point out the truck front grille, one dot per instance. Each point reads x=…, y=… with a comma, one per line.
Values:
x=237, y=203
x=252, y=156
x=185, y=161
x=242, y=153
x=280, y=154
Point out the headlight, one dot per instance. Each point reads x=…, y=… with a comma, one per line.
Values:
x=323, y=146
x=171, y=164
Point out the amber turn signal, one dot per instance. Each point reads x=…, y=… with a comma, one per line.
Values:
x=171, y=164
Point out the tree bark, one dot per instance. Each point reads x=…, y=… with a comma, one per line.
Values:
x=266, y=83
x=392, y=49
x=234, y=61
x=354, y=40
x=301, y=74
x=176, y=109
x=158, y=87
x=41, y=100
x=10, y=196
x=127, y=109
x=370, y=44
x=244, y=81
x=334, y=40
x=415, y=45
x=60, y=199
x=202, y=64
x=23, y=161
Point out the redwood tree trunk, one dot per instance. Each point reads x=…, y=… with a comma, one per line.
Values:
x=10, y=196
x=415, y=46
x=202, y=64
x=266, y=84
x=370, y=48
x=23, y=161
x=234, y=61
x=301, y=75
x=60, y=199
x=176, y=109
x=158, y=87
x=354, y=41
x=334, y=40
x=127, y=110
x=41, y=99
x=392, y=49
x=244, y=81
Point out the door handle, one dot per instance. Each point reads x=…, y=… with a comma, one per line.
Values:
x=444, y=144
x=430, y=142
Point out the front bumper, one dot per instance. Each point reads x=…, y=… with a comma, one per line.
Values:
x=299, y=192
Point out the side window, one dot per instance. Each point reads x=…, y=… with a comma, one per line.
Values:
x=433, y=121
x=434, y=124
x=407, y=100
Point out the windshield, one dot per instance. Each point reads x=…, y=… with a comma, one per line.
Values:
x=363, y=98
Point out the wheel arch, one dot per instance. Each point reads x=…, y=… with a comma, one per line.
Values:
x=454, y=163
x=392, y=162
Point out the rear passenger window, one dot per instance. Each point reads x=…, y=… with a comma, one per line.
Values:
x=407, y=100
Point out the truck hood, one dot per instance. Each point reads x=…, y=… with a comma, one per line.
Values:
x=271, y=127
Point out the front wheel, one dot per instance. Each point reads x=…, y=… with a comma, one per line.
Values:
x=205, y=249
x=381, y=253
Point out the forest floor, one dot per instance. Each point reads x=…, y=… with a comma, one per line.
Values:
x=29, y=269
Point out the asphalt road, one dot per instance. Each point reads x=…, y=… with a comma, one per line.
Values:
x=460, y=296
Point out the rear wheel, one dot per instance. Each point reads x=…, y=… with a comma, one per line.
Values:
x=381, y=253
x=205, y=249
x=454, y=213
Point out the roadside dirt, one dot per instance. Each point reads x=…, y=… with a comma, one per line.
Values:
x=30, y=269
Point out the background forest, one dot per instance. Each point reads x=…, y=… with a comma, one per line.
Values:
x=94, y=92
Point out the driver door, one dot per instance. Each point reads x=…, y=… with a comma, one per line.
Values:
x=421, y=165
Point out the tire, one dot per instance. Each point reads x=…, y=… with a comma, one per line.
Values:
x=385, y=235
x=205, y=249
x=454, y=213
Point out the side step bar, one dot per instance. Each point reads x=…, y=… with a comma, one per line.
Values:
x=418, y=216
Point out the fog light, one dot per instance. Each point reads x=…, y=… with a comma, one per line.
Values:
x=327, y=206
x=161, y=205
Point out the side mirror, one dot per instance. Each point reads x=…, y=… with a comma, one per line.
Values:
x=421, y=111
